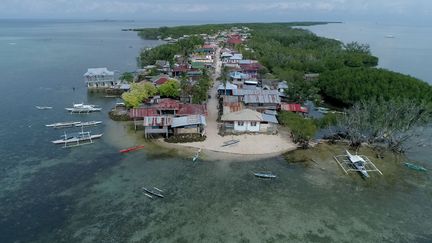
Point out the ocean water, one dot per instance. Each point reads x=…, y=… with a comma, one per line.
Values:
x=93, y=194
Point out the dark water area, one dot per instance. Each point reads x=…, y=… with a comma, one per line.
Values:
x=93, y=193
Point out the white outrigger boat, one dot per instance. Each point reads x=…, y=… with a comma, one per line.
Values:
x=43, y=107
x=63, y=124
x=358, y=162
x=78, y=139
x=196, y=156
x=89, y=123
x=81, y=108
x=267, y=175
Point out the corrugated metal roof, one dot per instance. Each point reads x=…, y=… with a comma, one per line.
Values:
x=151, y=121
x=98, y=71
x=229, y=86
x=270, y=118
x=243, y=115
x=192, y=109
x=142, y=112
x=262, y=98
x=293, y=107
x=241, y=92
x=188, y=120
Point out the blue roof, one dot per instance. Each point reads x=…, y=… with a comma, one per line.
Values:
x=238, y=75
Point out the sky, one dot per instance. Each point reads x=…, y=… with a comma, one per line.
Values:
x=222, y=10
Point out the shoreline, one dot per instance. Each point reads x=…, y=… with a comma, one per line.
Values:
x=217, y=155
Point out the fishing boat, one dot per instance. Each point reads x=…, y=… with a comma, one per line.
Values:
x=131, y=149
x=196, y=155
x=230, y=142
x=82, y=108
x=390, y=36
x=89, y=123
x=415, y=167
x=358, y=162
x=77, y=139
x=267, y=175
x=322, y=110
x=153, y=192
x=63, y=124
x=43, y=107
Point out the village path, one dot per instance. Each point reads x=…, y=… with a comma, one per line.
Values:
x=250, y=144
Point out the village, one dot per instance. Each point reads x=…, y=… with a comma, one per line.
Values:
x=238, y=113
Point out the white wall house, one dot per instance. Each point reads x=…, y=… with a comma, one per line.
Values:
x=99, y=78
x=247, y=126
x=246, y=120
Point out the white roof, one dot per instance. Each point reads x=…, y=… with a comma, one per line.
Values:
x=98, y=71
x=237, y=56
x=243, y=115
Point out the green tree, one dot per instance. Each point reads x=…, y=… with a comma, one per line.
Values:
x=127, y=76
x=302, y=130
x=138, y=93
x=171, y=88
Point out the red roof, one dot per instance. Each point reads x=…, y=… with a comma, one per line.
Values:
x=161, y=81
x=293, y=107
x=250, y=67
x=167, y=103
x=142, y=112
x=234, y=41
x=192, y=109
x=208, y=46
x=182, y=68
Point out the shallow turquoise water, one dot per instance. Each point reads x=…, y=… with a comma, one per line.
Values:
x=93, y=193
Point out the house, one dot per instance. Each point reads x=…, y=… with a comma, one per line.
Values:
x=226, y=89
x=161, y=79
x=248, y=120
x=100, y=78
x=251, y=69
x=188, y=124
x=293, y=108
x=238, y=76
x=162, y=66
x=168, y=116
x=262, y=102
x=179, y=70
x=234, y=59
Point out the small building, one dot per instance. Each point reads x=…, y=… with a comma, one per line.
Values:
x=261, y=102
x=226, y=89
x=192, y=124
x=100, y=78
x=311, y=76
x=238, y=76
x=248, y=120
x=293, y=108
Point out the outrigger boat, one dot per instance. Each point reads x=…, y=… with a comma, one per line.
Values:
x=153, y=192
x=63, y=124
x=43, y=107
x=78, y=139
x=196, y=155
x=89, y=123
x=81, y=108
x=131, y=149
x=230, y=142
x=267, y=175
x=415, y=167
x=358, y=162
